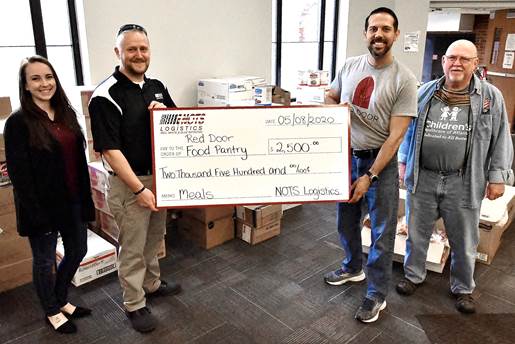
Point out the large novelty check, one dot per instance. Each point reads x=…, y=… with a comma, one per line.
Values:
x=214, y=156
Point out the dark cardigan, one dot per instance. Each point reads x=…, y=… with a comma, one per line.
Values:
x=41, y=197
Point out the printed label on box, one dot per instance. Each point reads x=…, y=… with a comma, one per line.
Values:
x=246, y=233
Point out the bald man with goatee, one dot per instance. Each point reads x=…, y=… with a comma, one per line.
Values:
x=456, y=152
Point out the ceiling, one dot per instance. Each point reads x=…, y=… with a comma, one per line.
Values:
x=472, y=6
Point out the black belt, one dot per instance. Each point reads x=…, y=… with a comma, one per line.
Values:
x=136, y=172
x=365, y=153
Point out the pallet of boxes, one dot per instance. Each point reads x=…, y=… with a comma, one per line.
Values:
x=258, y=223
x=438, y=250
x=15, y=253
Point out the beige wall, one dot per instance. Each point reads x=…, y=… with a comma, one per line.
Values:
x=190, y=39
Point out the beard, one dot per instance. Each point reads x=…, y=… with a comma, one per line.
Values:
x=380, y=53
x=135, y=67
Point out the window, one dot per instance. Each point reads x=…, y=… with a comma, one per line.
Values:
x=304, y=38
x=44, y=27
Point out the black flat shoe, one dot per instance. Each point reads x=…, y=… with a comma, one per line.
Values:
x=79, y=312
x=66, y=328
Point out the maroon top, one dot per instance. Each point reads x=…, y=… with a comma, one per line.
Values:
x=68, y=143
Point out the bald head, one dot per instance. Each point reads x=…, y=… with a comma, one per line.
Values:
x=462, y=45
x=459, y=63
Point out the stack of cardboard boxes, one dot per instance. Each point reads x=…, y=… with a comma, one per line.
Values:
x=207, y=227
x=15, y=253
x=85, y=96
x=5, y=111
x=258, y=223
x=312, y=86
x=104, y=220
x=231, y=91
x=105, y=224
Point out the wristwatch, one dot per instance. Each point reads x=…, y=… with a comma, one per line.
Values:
x=373, y=177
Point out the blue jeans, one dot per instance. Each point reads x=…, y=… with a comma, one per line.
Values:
x=381, y=202
x=52, y=289
x=437, y=196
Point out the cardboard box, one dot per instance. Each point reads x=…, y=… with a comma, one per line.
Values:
x=281, y=96
x=255, y=235
x=106, y=223
x=490, y=237
x=85, y=96
x=5, y=107
x=208, y=214
x=98, y=176
x=207, y=235
x=13, y=247
x=6, y=200
x=263, y=95
x=437, y=253
x=311, y=95
x=494, y=212
x=231, y=91
x=259, y=215
x=99, y=261
x=489, y=242
x=100, y=201
x=15, y=274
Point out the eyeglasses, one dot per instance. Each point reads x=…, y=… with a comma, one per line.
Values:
x=130, y=27
x=462, y=59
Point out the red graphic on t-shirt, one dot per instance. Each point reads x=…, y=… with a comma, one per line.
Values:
x=363, y=92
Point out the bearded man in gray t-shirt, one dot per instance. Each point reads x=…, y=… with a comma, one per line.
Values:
x=381, y=93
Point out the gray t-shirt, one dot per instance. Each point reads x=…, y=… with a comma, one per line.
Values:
x=446, y=130
x=375, y=95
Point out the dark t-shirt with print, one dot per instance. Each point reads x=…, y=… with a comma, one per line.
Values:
x=446, y=131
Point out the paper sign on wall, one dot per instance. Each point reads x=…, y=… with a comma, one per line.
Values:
x=508, y=59
x=411, y=40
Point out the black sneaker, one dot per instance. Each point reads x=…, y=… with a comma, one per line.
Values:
x=142, y=320
x=339, y=277
x=166, y=289
x=406, y=287
x=465, y=303
x=369, y=310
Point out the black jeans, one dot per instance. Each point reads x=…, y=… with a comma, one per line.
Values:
x=52, y=289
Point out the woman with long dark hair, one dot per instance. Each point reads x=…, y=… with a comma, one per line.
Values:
x=47, y=165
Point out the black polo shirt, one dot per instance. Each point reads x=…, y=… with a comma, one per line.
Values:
x=120, y=118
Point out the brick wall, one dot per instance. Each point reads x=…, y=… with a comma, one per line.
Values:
x=481, y=31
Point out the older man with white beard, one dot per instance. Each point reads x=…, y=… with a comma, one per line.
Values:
x=452, y=161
